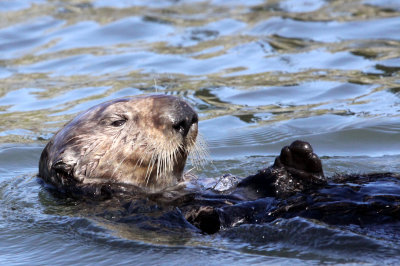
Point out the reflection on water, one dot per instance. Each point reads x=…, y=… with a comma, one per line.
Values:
x=260, y=74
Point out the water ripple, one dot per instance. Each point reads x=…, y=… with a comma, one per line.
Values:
x=260, y=74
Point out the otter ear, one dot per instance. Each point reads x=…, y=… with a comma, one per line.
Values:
x=62, y=167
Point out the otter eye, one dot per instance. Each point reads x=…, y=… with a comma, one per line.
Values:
x=118, y=123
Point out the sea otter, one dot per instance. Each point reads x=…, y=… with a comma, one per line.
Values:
x=138, y=146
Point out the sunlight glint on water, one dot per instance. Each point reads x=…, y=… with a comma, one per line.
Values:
x=260, y=74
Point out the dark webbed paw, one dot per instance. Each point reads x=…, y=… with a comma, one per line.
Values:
x=297, y=168
x=300, y=158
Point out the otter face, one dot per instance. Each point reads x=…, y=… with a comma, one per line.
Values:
x=142, y=140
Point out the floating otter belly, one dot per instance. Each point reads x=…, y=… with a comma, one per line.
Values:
x=139, y=146
x=140, y=141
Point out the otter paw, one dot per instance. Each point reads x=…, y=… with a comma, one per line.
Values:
x=299, y=160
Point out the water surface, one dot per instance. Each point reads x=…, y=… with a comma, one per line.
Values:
x=260, y=74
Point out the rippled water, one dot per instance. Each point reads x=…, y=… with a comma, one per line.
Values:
x=260, y=74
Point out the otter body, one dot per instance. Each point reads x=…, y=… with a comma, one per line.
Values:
x=295, y=185
x=136, y=147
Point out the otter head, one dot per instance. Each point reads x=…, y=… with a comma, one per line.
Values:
x=143, y=140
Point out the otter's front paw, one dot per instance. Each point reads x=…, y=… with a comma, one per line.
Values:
x=299, y=165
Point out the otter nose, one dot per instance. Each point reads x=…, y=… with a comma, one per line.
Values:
x=184, y=119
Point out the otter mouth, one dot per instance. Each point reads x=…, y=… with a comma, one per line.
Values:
x=167, y=163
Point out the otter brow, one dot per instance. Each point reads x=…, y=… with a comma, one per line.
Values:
x=114, y=117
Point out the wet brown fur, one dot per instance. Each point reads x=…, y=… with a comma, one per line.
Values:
x=146, y=151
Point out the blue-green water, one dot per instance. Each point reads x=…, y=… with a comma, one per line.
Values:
x=260, y=74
